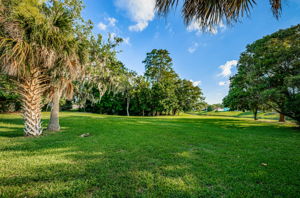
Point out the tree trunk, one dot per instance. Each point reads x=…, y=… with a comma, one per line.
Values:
x=54, y=117
x=128, y=103
x=143, y=112
x=174, y=112
x=281, y=118
x=255, y=114
x=31, y=91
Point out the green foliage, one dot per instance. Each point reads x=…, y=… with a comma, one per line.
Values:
x=182, y=156
x=170, y=94
x=189, y=96
x=159, y=91
x=102, y=73
x=209, y=108
x=29, y=10
x=9, y=100
x=158, y=65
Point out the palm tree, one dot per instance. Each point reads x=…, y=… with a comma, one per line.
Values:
x=29, y=46
x=209, y=13
x=69, y=67
x=71, y=58
x=61, y=85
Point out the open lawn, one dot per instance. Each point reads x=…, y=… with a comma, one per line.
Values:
x=186, y=156
x=240, y=114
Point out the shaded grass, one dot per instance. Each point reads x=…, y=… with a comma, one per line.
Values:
x=186, y=156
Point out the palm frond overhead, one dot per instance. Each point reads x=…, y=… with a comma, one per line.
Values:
x=209, y=13
x=276, y=7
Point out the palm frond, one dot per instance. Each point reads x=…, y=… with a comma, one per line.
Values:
x=14, y=54
x=209, y=13
x=276, y=7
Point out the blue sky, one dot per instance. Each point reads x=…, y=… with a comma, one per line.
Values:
x=208, y=59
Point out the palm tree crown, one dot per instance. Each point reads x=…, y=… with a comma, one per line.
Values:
x=209, y=13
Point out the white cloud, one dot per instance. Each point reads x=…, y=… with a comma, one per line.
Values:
x=138, y=27
x=139, y=11
x=196, y=83
x=227, y=67
x=111, y=21
x=127, y=40
x=193, y=48
x=102, y=26
x=195, y=26
x=224, y=83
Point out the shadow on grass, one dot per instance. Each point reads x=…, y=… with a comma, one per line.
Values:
x=144, y=157
x=12, y=127
x=10, y=132
x=115, y=173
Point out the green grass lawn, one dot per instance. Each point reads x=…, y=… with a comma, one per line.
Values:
x=240, y=114
x=186, y=156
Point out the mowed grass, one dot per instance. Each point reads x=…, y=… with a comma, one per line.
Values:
x=240, y=114
x=186, y=156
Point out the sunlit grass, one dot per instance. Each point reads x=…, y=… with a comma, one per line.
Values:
x=186, y=156
x=240, y=114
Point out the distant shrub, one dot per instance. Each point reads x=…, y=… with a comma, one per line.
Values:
x=210, y=108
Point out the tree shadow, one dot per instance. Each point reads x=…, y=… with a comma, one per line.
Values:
x=111, y=174
x=12, y=128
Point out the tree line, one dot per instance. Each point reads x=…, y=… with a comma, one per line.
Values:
x=159, y=91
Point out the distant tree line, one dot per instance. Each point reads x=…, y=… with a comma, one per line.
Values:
x=159, y=91
x=214, y=107
x=268, y=76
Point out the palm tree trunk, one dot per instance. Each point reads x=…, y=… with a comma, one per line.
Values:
x=54, y=117
x=31, y=91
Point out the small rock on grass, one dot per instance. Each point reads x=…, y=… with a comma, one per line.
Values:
x=85, y=135
x=264, y=164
